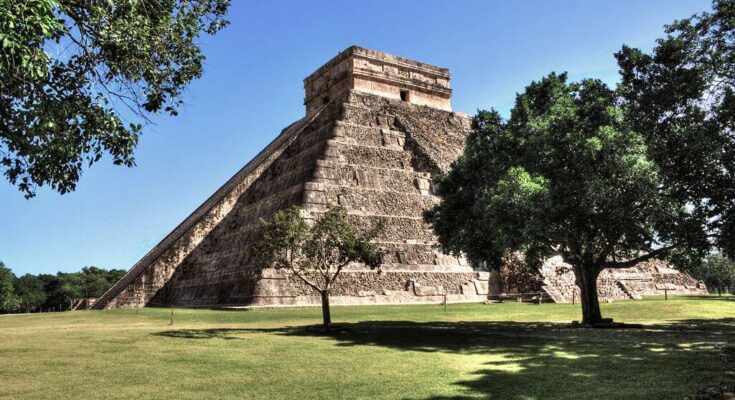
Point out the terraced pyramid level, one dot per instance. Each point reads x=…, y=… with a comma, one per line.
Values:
x=376, y=127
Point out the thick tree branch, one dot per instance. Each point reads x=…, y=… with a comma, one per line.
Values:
x=306, y=280
x=339, y=269
x=606, y=251
x=630, y=263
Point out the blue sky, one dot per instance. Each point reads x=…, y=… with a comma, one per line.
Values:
x=252, y=88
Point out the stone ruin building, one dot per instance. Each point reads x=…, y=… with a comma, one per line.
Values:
x=653, y=277
x=376, y=127
x=555, y=282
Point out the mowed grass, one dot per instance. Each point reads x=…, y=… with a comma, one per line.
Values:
x=499, y=351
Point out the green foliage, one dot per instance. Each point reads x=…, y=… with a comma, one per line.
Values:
x=322, y=249
x=681, y=97
x=718, y=272
x=96, y=281
x=68, y=67
x=24, y=27
x=565, y=174
x=9, y=301
x=315, y=253
x=31, y=293
x=284, y=236
x=63, y=287
x=607, y=178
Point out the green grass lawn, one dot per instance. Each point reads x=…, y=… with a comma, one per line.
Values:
x=499, y=351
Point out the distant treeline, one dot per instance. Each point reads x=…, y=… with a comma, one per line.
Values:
x=46, y=292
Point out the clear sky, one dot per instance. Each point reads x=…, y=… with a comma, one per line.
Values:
x=252, y=88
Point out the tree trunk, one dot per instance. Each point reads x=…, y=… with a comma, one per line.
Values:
x=587, y=282
x=325, y=309
x=719, y=291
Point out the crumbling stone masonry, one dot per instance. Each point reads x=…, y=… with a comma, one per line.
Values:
x=556, y=282
x=376, y=127
x=653, y=277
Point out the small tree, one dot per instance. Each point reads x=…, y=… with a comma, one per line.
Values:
x=314, y=253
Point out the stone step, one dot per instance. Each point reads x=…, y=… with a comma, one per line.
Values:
x=369, y=156
x=372, y=201
x=370, y=136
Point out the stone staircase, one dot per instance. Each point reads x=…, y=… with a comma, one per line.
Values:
x=628, y=290
x=84, y=303
x=554, y=294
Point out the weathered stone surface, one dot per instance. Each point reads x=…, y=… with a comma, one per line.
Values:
x=381, y=74
x=645, y=279
x=377, y=126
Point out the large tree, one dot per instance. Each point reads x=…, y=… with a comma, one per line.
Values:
x=681, y=97
x=77, y=78
x=315, y=253
x=568, y=175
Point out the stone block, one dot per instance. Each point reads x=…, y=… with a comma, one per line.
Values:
x=315, y=197
x=274, y=273
x=425, y=290
x=481, y=287
x=423, y=184
x=467, y=289
x=366, y=178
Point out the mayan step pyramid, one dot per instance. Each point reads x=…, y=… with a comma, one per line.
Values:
x=376, y=127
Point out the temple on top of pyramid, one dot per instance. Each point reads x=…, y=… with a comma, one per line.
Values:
x=376, y=127
x=381, y=74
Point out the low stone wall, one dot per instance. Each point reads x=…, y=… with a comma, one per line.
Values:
x=376, y=287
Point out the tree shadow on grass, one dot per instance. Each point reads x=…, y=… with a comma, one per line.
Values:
x=724, y=297
x=543, y=360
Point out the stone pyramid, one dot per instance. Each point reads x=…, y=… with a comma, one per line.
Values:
x=376, y=127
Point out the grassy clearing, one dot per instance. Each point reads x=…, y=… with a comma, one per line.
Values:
x=502, y=351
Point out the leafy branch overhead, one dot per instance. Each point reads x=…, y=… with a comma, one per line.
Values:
x=72, y=71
